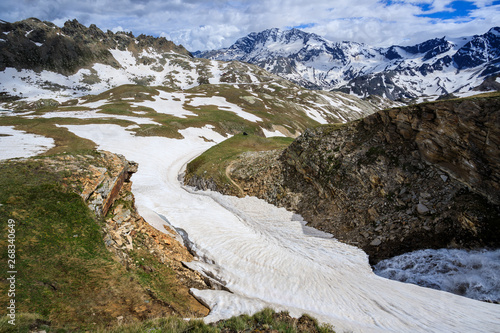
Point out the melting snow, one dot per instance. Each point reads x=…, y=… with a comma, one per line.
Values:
x=473, y=274
x=14, y=143
x=267, y=257
x=270, y=134
x=224, y=105
x=314, y=114
x=168, y=103
x=93, y=114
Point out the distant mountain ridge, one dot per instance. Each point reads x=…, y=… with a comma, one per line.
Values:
x=430, y=69
x=41, y=45
x=43, y=65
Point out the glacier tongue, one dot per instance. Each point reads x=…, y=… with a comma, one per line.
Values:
x=266, y=257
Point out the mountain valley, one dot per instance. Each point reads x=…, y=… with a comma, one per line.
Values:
x=142, y=136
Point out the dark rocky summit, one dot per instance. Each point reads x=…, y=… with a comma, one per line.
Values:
x=41, y=45
x=423, y=176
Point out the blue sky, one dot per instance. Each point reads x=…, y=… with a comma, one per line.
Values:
x=202, y=24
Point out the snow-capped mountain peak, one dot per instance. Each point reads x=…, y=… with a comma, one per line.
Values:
x=430, y=69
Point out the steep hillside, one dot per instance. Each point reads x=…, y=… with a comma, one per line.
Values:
x=424, y=176
x=84, y=258
x=428, y=70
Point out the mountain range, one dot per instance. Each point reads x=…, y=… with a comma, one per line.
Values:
x=428, y=70
x=43, y=65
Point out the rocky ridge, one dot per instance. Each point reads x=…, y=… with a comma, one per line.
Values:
x=424, y=176
x=41, y=45
x=103, y=180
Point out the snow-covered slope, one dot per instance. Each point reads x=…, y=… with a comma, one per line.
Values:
x=65, y=64
x=266, y=257
x=436, y=67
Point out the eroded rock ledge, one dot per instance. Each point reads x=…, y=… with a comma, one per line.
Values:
x=102, y=179
x=424, y=176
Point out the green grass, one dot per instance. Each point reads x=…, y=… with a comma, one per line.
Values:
x=60, y=255
x=264, y=321
x=65, y=274
x=215, y=160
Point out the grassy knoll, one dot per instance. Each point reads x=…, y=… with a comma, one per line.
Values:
x=65, y=274
x=215, y=160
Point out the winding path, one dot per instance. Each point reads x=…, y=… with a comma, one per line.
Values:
x=228, y=175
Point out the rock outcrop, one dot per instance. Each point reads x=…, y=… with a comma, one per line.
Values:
x=423, y=176
x=102, y=179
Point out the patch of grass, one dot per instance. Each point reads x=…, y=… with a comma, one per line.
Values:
x=65, y=274
x=159, y=278
x=213, y=162
x=60, y=256
x=266, y=320
x=139, y=92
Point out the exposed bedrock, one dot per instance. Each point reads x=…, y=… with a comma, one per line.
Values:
x=424, y=176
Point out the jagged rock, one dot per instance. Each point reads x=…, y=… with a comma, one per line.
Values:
x=66, y=50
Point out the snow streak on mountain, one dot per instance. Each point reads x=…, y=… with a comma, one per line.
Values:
x=428, y=70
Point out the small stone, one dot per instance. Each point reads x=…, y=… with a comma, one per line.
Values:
x=119, y=241
x=444, y=178
x=425, y=195
x=422, y=209
x=376, y=242
x=373, y=213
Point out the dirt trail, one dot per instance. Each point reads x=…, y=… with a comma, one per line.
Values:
x=228, y=175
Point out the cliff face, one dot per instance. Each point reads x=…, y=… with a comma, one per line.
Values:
x=398, y=180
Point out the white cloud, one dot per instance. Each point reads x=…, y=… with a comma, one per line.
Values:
x=200, y=24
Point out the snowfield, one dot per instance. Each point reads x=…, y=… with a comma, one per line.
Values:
x=14, y=143
x=266, y=256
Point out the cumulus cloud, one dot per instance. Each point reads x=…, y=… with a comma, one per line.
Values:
x=201, y=24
